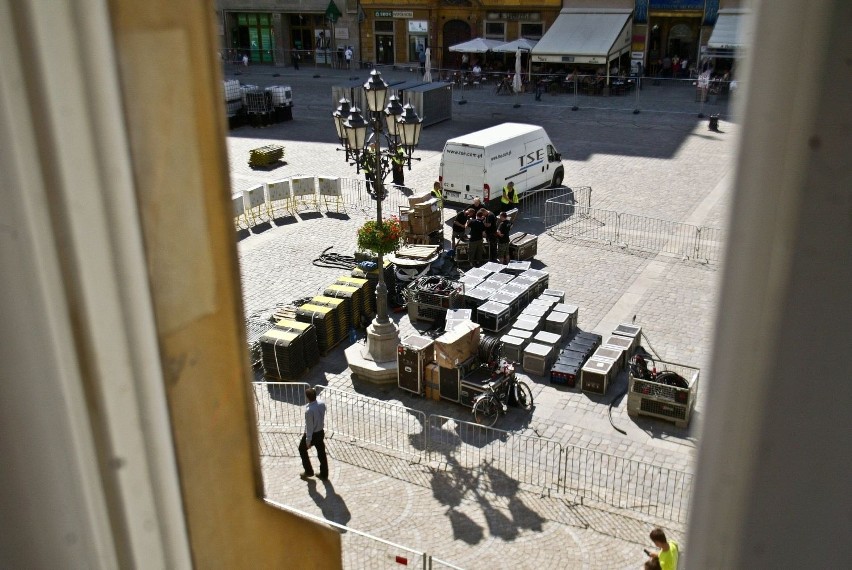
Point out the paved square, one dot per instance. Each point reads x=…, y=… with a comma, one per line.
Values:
x=661, y=163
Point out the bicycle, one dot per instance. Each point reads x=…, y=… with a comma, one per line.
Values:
x=498, y=395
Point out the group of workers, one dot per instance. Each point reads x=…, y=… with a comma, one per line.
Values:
x=487, y=233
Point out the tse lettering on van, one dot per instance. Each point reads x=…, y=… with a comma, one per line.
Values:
x=532, y=158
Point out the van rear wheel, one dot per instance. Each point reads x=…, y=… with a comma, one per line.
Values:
x=558, y=176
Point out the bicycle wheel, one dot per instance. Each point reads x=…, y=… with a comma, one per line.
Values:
x=485, y=411
x=525, y=397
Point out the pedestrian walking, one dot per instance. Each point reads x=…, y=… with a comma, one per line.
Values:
x=296, y=59
x=509, y=199
x=421, y=57
x=476, y=225
x=314, y=436
x=245, y=60
x=669, y=550
x=504, y=230
x=348, y=55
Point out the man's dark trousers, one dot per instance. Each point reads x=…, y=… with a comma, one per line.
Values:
x=318, y=441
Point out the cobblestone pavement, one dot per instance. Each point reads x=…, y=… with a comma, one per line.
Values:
x=662, y=163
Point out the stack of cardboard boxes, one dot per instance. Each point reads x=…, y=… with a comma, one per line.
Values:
x=422, y=220
x=455, y=356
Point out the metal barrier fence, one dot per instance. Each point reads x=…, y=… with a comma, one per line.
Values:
x=627, y=484
x=479, y=450
x=281, y=408
x=375, y=422
x=533, y=205
x=563, y=218
x=475, y=448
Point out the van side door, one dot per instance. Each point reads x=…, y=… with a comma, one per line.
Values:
x=534, y=165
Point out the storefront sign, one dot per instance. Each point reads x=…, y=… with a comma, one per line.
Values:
x=711, y=12
x=418, y=26
x=514, y=16
x=394, y=14
x=640, y=15
x=341, y=33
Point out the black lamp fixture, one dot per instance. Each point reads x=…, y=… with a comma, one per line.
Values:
x=385, y=119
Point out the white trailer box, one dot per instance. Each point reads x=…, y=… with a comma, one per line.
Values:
x=478, y=165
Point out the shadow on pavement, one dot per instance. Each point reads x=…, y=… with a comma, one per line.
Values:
x=332, y=505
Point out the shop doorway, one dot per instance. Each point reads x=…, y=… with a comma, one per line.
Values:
x=682, y=42
x=455, y=32
x=384, y=49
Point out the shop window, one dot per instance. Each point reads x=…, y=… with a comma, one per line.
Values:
x=416, y=44
x=384, y=26
x=532, y=31
x=495, y=30
x=254, y=37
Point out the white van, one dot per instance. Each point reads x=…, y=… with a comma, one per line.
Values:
x=478, y=165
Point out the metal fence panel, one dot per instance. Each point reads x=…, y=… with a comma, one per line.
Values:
x=709, y=244
x=633, y=232
x=280, y=404
x=376, y=422
x=518, y=459
x=627, y=484
x=524, y=459
x=533, y=205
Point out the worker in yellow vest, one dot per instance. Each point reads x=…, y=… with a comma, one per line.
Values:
x=438, y=194
x=509, y=199
x=397, y=165
x=368, y=164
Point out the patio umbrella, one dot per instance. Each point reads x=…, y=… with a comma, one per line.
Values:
x=427, y=76
x=516, y=81
x=476, y=45
x=510, y=47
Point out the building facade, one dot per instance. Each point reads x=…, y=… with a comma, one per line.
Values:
x=384, y=32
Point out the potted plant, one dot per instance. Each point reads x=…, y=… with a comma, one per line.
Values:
x=380, y=237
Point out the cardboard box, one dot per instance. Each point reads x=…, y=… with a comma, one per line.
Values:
x=404, y=213
x=419, y=198
x=430, y=205
x=424, y=223
x=433, y=381
x=454, y=347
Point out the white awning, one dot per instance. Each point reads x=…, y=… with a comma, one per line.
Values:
x=585, y=35
x=732, y=32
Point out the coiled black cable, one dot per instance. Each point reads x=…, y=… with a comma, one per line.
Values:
x=334, y=260
x=489, y=348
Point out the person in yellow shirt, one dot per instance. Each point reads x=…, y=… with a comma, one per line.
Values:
x=509, y=199
x=669, y=550
x=438, y=194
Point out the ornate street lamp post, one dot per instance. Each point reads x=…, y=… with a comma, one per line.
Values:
x=362, y=138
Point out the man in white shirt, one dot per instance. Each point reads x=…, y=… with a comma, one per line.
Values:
x=348, y=55
x=314, y=436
